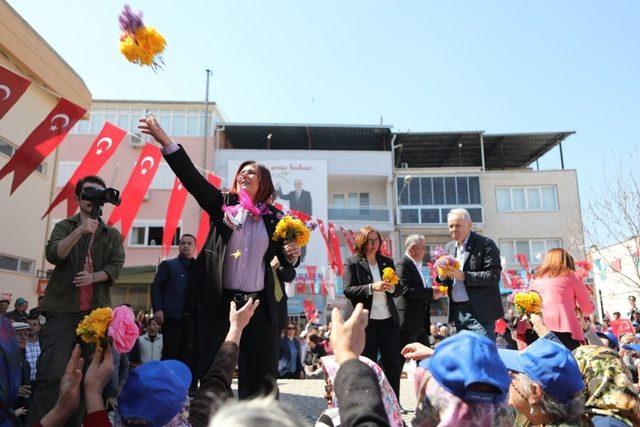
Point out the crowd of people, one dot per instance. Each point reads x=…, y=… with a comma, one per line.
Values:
x=223, y=314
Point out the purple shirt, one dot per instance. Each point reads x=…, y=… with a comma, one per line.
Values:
x=244, y=268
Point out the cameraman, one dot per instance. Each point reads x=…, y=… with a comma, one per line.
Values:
x=78, y=285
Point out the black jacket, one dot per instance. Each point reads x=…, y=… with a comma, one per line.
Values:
x=169, y=286
x=303, y=204
x=481, y=279
x=204, y=289
x=357, y=278
x=413, y=304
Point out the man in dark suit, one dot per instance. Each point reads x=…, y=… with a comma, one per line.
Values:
x=474, y=292
x=299, y=199
x=413, y=304
x=167, y=298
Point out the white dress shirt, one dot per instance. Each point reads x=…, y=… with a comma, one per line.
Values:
x=459, y=291
x=379, y=306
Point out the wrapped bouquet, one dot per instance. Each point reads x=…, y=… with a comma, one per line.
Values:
x=140, y=44
x=104, y=325
x=525, y=302
x=443, y=262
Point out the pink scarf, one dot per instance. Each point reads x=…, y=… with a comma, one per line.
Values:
x=235, y=216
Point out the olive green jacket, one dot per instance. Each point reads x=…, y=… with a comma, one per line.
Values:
x=107, y=254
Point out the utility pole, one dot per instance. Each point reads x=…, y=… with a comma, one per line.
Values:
x=206, y=122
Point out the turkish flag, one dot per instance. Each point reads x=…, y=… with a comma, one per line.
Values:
x=524, y=263
x=98, y=155
x=351, y=244
x=325, y=237
x=137, y=186
x=12, y=86
x=621, y=326
x=205, y=225
x=310, y=310
x=174, y=211
x=300, y=215
x=335, y=247
x=42, y=141
x=311, y=272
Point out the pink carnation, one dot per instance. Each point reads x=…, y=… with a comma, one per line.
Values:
x=123, y=329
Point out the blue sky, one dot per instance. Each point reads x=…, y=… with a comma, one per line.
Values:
x=498, y=66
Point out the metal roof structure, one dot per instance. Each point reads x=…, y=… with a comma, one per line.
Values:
x=307, y=137
x=412, y=149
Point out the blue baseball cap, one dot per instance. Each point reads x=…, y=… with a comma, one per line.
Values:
x=155, y=392
x=465, y=359
x=610, y=336
x=633, y=347
x=549, y=364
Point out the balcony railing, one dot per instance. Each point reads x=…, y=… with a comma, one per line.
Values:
x=363, y=213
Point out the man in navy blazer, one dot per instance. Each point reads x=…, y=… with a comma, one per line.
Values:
x=167, y=298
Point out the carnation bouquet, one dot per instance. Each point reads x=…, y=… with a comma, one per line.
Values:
x=140, y=44
x=389, y=275
x=443, y=262
x=104, y=326
x=291, y=229
x=525, y=302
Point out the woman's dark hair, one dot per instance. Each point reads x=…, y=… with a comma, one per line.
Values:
x=266, y=191
x=361, y=240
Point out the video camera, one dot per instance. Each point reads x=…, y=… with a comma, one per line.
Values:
x=100, y=196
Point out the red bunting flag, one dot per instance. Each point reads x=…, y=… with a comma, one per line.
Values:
x=616, y=265
x=524, y=263
x=174, y=211
x=12, y=86
x=99, y=153
x=42, y=141
x=348, y=237
x=311, y=272
x=300, y=215
x=326, y=238
x=335, y=248
x=205, y=225
x=137, y=186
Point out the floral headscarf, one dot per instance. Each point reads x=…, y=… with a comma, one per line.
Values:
x=180, y=420
x=438, y=407
x=608, y=389
x=330, y=367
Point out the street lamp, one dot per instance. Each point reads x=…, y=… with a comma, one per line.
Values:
x=405, y=184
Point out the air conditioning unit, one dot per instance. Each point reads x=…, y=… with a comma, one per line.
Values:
x=135, y=140
x=404, y=165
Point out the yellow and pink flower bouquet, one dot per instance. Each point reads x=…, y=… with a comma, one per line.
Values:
x=104, y=326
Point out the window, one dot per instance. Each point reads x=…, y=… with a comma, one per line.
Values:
x=9, y=150
x=350, y=200
x=534, y=250
x=16, y=263
x=164, y=178
x=522, y=199
x=177, y=124
x=65, y=170
x=149, y=233
x=435, y=196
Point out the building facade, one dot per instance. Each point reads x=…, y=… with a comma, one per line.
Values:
x=23, y=231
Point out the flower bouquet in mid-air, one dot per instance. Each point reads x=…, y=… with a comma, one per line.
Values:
x=104, y=326
x=139, y=43
x=526, y=302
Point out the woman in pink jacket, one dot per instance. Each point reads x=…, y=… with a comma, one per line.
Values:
x=561, y=291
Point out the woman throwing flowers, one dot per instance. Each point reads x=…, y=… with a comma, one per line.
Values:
x=370, y=279
x=234, y=264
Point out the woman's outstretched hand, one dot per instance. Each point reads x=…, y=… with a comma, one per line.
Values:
x=150, y=126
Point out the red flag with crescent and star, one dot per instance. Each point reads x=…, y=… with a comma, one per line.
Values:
x=338, y=266
x=174, y=210
x=42, y=141
x=311, y=272
x=205, y=225
x=12, y=87
x=99, y=153
x=327, y=243
x=137, y=186
x=348, y=237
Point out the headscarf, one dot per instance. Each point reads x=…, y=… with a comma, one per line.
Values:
x=438, y=407
x=609, y=390
x=330, y=367
x=180, y=420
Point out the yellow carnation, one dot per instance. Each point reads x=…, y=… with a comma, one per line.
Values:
x=389, y=275
x=93, y=328
x=291, y=229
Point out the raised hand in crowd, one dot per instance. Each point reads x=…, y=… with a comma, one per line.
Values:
x=150, y=126
x=96, y=379
x=69, y=396
x=416, y=351
x=238, y=319
x=348, y=338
